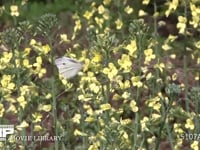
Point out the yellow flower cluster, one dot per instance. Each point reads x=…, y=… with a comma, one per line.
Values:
x=121, y=96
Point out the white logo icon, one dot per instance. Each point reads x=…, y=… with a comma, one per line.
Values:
x=5, y=130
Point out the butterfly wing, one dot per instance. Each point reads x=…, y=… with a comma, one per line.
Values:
x=68, y=67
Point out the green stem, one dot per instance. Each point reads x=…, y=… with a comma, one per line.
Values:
x=53, y=91
x=157, y=87
x=170, y=136
x=186, y=82
x=135, y=146
x=18, y=84
x=196, y=118
x=107, y=93
x=163, y=121
x=185, y=61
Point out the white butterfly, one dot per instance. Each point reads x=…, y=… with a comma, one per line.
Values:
x=68, y=67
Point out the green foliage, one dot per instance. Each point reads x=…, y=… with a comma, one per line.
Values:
x=133, y=92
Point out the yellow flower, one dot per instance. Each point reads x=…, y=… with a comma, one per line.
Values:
x=88, y=14
x=133, y=106
x=42, y=72
x=90, y=119
x=142, y=13
x=25, y=90
x=157, y=107
x=116, y=97
x=143, y=123
x=127, y=84
x=37, y=128
x=46, y=108
x=84, y=98
x=37, y=117
x=198, y=60
x=171, y=38
x=106, y=2
x=99, y=21
x=95, y=146
x=119, y=24
x=126, y=95
x=97, y=58
x=174, y=76
x=172, y=6
x=125, y=121
x=104, y=107
x=181, y=25
x=125, y=63
x=64, y=38
x=195, y=11
x=79, y=133
x=2, y=110
x=39, y=60
x=106, y=16
x=128, y=9
x=33, y=42
x=12, y=108
x=48, y=96
x=6, y=82
x=156, y=14
x=14, y=10
x=76, y=46
x=166, y=47
x=197, y=44
x=136, y=81
x=173, y=56
x=151, y=140
x=111, y=71
x=46, y=48
x=26, y=63
x=149, y=55
x=5, y=59
x=123, y=85
x=77, y=26
x=39, y=70
x=66, y=83
x=17, y=62
x=149, y=76
x=195, y=145
x=151, y=102
x=179, y=143
x=26, y=51
x=145, y=2
x=155, y=116
x=24, y=124
x=101, y=9
x=132, y=48
x=76, y=118
x=177, y=128
x=160, y=66
x=154, y=103
x=94, y=88
x=189, y=124
x=22, y=102
x=88, y=109
x=125, y=136
x=197, y=76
